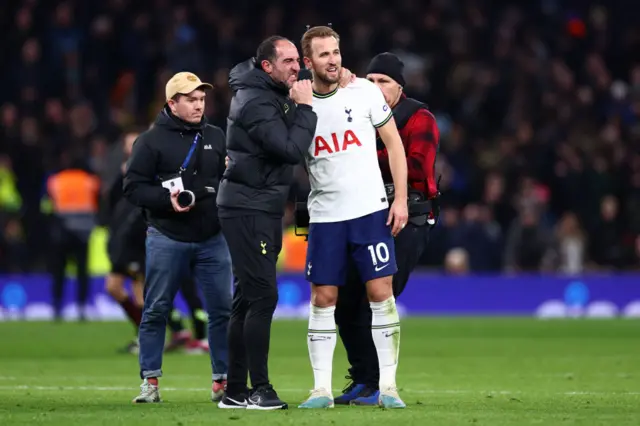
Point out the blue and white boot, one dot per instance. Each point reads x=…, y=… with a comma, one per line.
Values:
x=389, y=398
x=319, y=398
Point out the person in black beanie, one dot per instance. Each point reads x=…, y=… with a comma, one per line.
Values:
x=173, y=174
x=420, y=137
x=390, y=65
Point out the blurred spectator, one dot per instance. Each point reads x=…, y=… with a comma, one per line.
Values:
x=568, y=251
x=527, y=242
x=480, y=237
x=13, y=250
x=456, y=262
x=496, y=200
x=606, y=246
x=74, y=194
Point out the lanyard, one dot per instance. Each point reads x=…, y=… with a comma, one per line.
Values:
x=185, y=163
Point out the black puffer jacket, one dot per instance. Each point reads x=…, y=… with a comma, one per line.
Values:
x=267, y=134
x=157, y=155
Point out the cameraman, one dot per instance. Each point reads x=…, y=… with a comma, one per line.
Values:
x=174, y=171
x=420, y=137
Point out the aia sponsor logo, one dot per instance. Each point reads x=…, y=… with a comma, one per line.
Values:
x=335, y=143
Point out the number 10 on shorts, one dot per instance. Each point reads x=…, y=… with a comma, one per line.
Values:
x=379, y=254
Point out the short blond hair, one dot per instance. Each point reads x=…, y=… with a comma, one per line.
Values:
x=316, y=32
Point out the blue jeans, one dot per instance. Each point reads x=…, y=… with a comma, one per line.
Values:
x=168, y=262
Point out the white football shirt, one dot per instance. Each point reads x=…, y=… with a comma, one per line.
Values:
x=342, y=161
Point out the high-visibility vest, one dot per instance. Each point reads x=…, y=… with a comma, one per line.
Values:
x=10, y=199
x=74, y=191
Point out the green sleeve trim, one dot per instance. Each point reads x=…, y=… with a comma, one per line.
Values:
x=385, y=121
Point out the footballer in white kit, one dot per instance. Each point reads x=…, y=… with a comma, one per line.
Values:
x=348, y=203
x=351, y=224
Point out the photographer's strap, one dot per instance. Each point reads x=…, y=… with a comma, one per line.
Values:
x=405, y=110
x=402, y=112
x=192, y=149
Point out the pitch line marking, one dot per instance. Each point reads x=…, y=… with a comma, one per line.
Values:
x=204, y=390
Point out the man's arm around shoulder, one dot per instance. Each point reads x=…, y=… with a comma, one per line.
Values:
x=265, y=124
x=140, y=185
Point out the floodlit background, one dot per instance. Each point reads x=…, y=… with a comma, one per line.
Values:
x=538, y=105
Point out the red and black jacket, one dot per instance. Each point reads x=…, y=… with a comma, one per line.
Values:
x=421, y=138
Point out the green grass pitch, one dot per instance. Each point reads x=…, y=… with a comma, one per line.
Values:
x=464, y=371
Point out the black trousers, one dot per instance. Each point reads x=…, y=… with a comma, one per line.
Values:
x=67, y=244
x=254, y=243
x=353, y=313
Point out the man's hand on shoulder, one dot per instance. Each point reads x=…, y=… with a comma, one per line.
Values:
x=301, y=92
x=346, y=77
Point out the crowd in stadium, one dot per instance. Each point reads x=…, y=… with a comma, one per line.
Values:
x=538, y=108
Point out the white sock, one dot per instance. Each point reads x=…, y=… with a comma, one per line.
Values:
x=321, y=341
x=385, y=329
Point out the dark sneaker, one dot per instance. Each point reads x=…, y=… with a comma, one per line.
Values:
x=349, y=393
x=238, y=401
x=265, y=398
x=367, y=396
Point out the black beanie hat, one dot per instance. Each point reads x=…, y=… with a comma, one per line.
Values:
x=387, y=64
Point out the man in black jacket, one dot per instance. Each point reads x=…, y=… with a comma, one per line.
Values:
x=173, y=173
x=270, y=127
x=126, y=249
